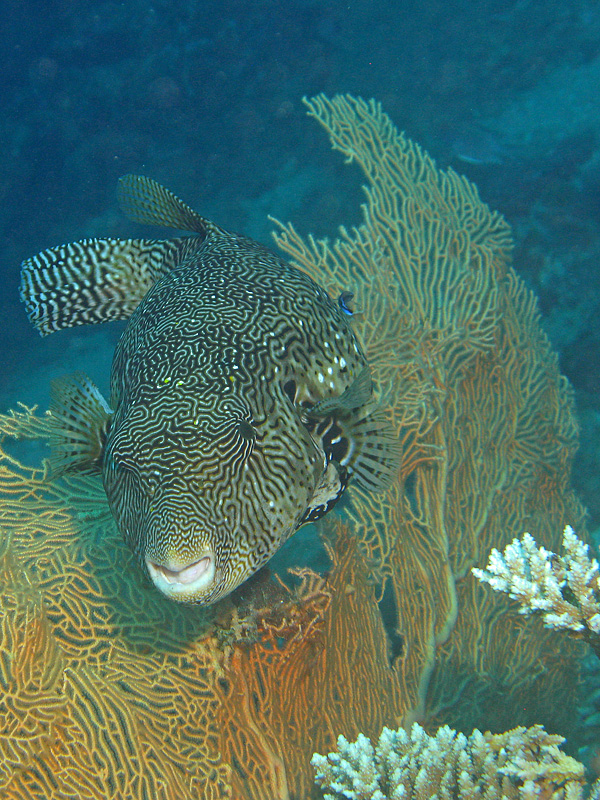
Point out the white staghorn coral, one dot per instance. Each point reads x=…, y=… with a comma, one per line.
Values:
x=351, y=772
x=566, y=589
x=521, y=764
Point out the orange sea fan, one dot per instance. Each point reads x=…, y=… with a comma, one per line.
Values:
x=486, y=420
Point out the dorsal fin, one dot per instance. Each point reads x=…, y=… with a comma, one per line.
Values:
x=148, y=202
x=96, y=280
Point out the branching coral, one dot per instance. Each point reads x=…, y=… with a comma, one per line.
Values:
x=565, y=589
x=522, y=764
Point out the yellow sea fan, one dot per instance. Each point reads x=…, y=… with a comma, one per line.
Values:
x=486, y=420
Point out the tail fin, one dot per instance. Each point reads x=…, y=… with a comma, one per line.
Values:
x=96, y=280
x=148, y=202
x=80, y=417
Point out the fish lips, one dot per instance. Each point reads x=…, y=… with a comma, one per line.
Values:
x=186, y=583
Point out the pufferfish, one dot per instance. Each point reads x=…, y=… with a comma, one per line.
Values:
x=241, y=402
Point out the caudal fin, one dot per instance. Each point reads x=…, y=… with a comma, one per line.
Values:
x=96, y=280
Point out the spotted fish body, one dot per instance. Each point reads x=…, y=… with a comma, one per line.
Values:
x=240, y=398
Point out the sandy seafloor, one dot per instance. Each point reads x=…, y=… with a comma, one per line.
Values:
x=206, y=98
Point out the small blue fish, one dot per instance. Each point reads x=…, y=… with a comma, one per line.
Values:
x=343, y=300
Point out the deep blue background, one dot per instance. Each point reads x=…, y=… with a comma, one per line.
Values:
x=205, y=97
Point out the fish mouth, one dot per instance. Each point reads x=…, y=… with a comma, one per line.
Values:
x=189, y=579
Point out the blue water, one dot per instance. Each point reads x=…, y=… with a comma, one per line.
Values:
x=205, y=97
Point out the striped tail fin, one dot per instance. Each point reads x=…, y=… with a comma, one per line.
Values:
x=96, y=280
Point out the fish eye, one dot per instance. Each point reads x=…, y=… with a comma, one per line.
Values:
x=245, y=430
x=153, y=480
x=290, y=389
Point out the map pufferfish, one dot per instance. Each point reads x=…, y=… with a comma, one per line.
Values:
x=241, y=402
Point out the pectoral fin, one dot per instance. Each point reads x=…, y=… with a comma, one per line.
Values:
x=359, y=439
x=80, y=420
x=355, y=396
x=374, y=451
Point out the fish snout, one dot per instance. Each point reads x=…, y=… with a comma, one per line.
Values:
x=183, y=581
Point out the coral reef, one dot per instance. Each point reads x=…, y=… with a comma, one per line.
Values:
x=565, y=589
x=110, y=691
x=521, y=764
x=100, y=696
